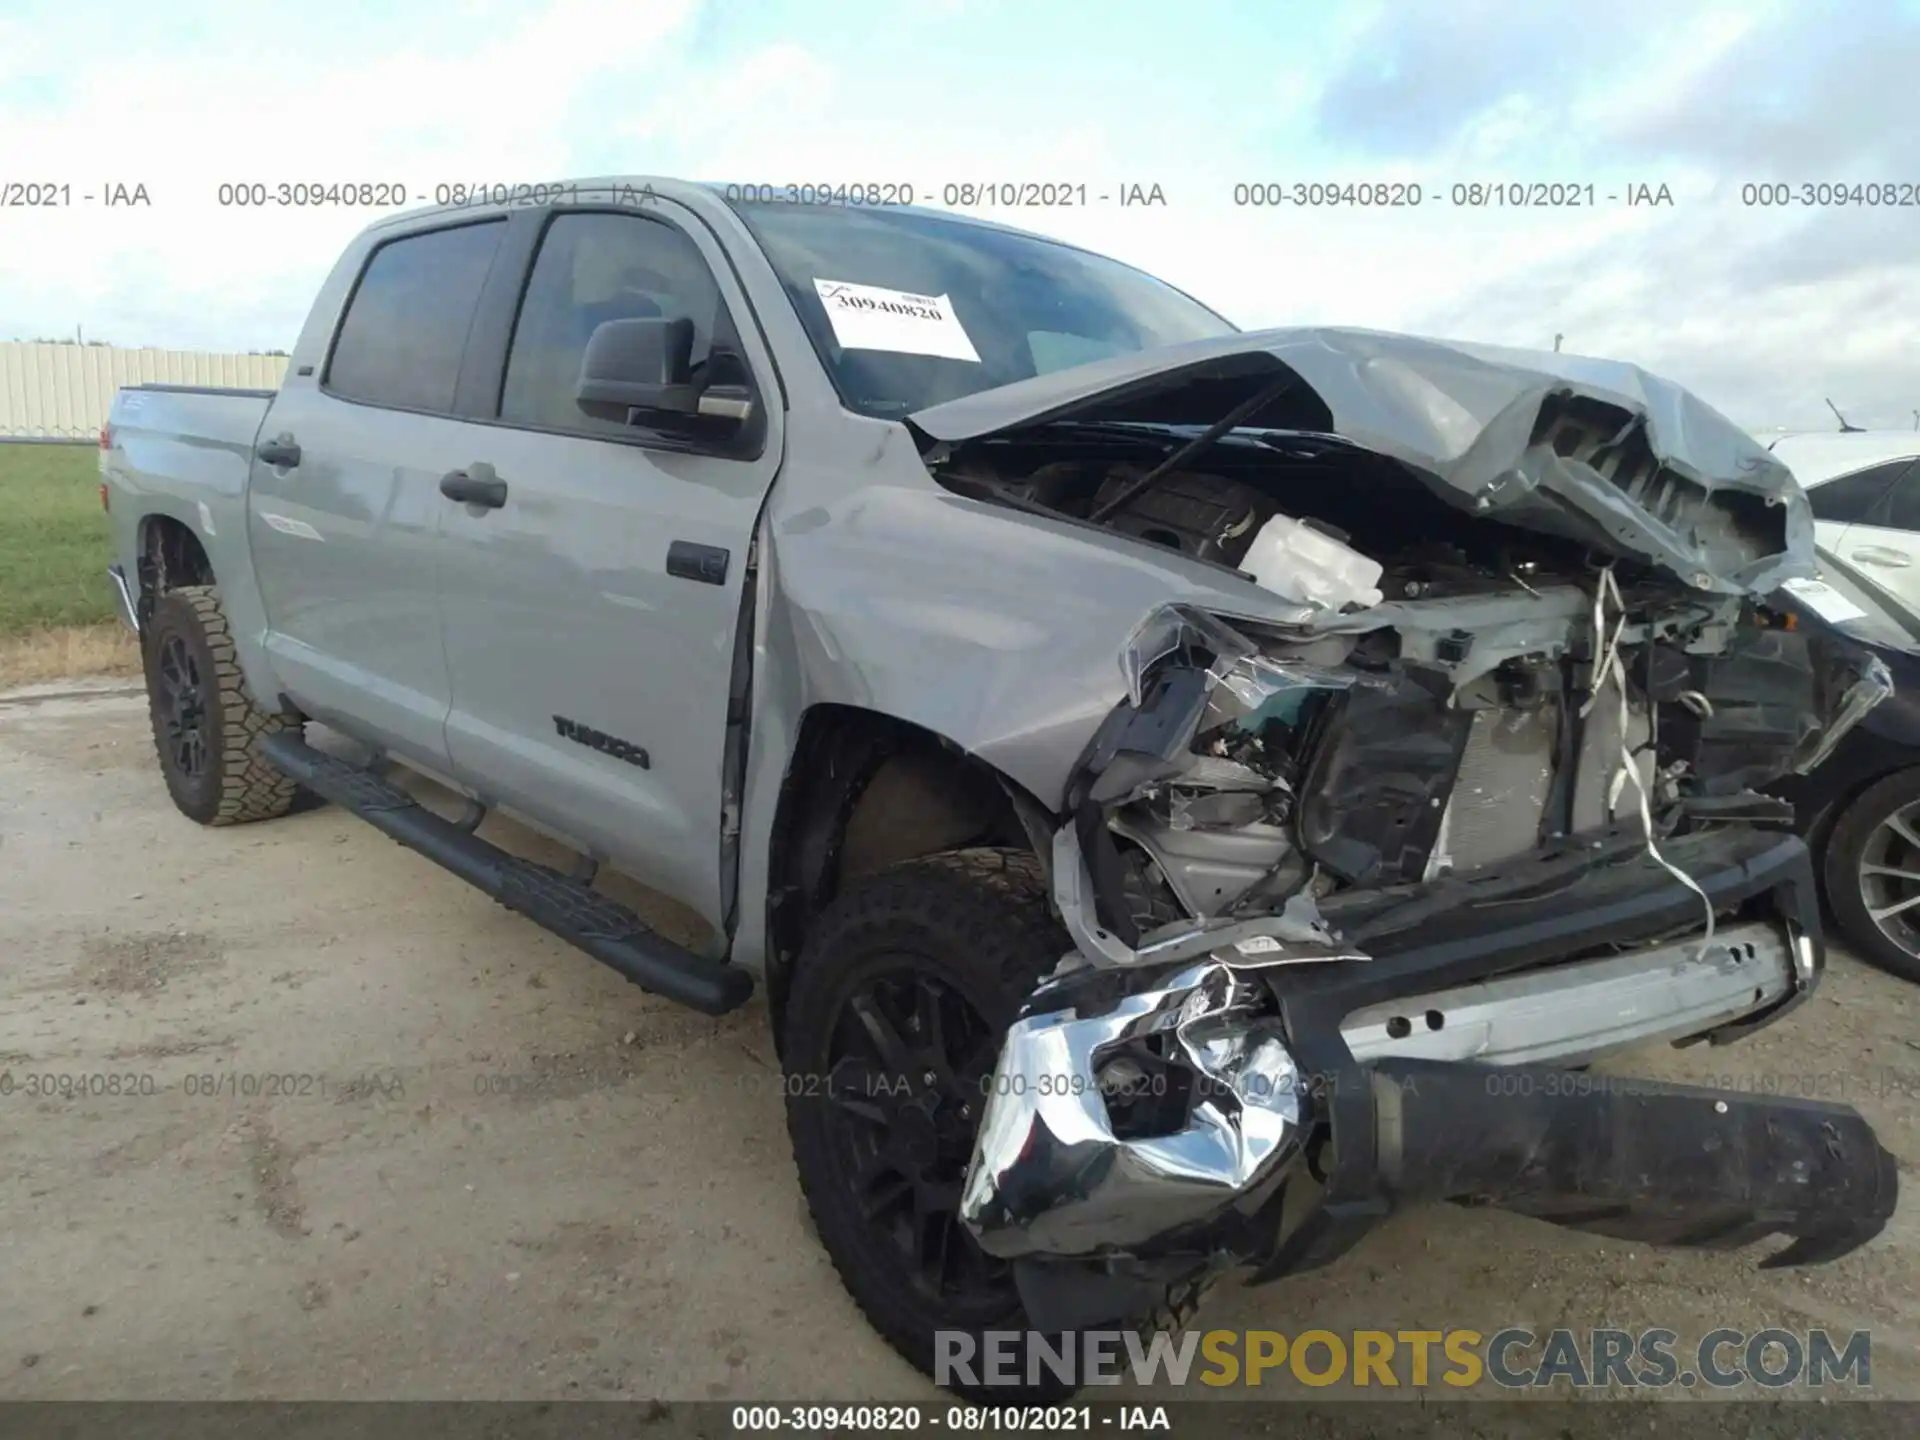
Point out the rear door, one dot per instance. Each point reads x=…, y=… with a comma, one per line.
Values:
x=344, y=508
x=591, y=618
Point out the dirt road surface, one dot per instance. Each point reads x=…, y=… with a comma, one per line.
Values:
x=377, y=1137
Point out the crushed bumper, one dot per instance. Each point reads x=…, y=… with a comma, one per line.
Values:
x=1057, y=1170
x=1151, y=1122
x=1575, y=1013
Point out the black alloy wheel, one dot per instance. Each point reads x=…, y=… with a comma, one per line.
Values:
x=180, y=706
x=909, y=1067
x=1872, y=873
x=206, y=727
x=891, y=1030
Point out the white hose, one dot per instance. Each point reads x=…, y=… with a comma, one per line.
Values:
x=1608, y=669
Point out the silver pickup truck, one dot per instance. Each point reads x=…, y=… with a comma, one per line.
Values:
x=1183, y=792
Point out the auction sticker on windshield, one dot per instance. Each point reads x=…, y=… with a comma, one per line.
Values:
x=868, y=317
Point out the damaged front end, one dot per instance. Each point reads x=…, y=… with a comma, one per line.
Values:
x=1354, y=887
x=1324, y=914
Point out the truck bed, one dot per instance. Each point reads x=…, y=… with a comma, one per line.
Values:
x=190, y=445
x=200, y=414
x=182, y=452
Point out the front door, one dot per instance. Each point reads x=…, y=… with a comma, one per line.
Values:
x=590, y=612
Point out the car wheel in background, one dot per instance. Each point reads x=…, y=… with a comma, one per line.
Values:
x=1872, y=873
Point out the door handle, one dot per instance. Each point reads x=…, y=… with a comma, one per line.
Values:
x=475, y=485
x=705, y=563
x=282, y=454
x=1883, y=555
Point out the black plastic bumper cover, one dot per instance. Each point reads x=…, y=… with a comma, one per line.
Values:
x=1635, y=1159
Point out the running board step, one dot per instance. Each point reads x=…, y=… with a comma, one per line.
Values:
x=578, y=914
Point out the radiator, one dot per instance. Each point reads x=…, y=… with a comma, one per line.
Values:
x=1500, y=790
x=1505, y=778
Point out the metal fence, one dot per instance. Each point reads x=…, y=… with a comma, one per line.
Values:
x=62, y=392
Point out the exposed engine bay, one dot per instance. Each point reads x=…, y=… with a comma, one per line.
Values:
x=1478, y=755
x=1468, y=714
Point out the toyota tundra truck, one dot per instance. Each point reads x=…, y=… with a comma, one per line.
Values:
x=1183, y=793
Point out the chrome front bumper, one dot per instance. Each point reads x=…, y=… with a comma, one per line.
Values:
x=1054, y=1174
x=1051, y=1171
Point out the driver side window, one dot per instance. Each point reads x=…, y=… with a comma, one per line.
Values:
x=592, y=268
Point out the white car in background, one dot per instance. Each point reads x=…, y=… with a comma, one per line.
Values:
x=1865, y=489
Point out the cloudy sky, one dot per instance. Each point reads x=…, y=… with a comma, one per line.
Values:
x=1765, y=311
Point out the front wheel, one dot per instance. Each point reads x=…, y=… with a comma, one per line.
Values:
x=897, y=1011
x=206, y=727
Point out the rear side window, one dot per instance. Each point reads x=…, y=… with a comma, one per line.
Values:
x=593, y=268
x=1859, y=498
x=406, y=325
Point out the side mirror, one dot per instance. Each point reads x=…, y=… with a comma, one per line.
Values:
x=637, y=365
x=648, y=365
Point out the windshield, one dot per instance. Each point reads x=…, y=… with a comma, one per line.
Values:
x=907, y=309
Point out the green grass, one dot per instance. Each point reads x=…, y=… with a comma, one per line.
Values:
x=54, y=539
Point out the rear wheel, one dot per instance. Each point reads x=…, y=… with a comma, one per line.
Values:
x=898, y=1008
x=1872, y=873
x=206, y=727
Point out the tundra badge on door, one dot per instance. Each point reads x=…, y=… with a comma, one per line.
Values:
x=599, y=740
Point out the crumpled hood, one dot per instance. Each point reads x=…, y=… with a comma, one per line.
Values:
x=1592, y=450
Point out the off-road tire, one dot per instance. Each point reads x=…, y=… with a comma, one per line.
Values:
x=236, y=784
x=982, y=915
x=1846, y=844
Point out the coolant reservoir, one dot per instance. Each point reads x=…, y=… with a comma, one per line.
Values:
x=1302, y=563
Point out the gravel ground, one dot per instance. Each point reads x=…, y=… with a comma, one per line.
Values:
x=388, y=1140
